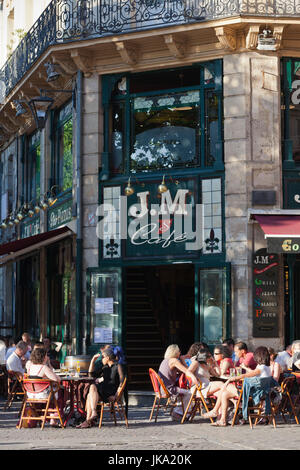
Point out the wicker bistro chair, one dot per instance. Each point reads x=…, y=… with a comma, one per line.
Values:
x=198, y=401
x=115, y=405
x=287, y=405
x=161, y=393
x=45, y=407
x=254, y=411
x=14, y=388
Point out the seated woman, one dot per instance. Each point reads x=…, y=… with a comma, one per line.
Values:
x=105, y=389
x=169, y=370
x=230, y=391
x=38, y=368
x=276, y=370
x=224, y=363
x=194, y=348
x=203, y=367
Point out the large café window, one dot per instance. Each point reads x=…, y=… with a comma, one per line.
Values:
x=166, y=120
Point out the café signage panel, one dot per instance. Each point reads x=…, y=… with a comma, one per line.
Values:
x=59, y=214
x=287, y=245
x=265, y=274
x=30, y=227
x=163, y=229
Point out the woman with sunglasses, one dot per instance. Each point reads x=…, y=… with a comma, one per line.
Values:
x=223, y=360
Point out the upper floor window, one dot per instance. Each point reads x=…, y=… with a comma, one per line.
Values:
x=62, y=165
x=165, y=119
x=33, y=167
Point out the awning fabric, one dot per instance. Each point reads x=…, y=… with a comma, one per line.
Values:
x=279, y=225
x=26, y=245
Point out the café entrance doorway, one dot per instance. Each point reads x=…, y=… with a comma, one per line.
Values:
x=160, y=310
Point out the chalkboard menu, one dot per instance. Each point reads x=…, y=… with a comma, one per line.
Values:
x=265, y=271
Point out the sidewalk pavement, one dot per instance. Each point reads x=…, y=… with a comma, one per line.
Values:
x=165, y=435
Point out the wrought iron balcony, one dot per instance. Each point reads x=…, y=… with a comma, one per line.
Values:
x=77, y=20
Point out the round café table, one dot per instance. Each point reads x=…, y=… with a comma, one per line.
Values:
x=72, y=383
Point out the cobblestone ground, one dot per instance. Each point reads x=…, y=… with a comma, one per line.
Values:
x=145, y=435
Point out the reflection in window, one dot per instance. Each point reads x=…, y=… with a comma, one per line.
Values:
x=212, y=305
x=165, y=131
x=66, y=156
x=63, y=162
x=117, y=138
x=212, y=128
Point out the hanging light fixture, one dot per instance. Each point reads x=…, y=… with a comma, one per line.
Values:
x=3, y=225
x=43, y=204
x=129, y=190
x=162, y=188
x=10, y=221
x=19, y=107
x=52, y=196
x=52, y=73
x=36, y=208
x=40, y=107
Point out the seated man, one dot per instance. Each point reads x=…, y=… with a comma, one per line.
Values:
x=16, y=361
x=294, y=363
x=245, y=359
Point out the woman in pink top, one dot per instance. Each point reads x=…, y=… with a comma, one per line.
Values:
x=223, y=360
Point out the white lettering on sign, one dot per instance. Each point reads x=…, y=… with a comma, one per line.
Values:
x=60, y=216
x=295, y=97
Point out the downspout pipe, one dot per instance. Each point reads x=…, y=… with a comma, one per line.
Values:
x=79, y=242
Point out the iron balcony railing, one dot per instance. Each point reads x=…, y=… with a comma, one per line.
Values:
x=77, y=20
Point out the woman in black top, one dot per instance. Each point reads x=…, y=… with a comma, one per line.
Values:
x=105, y=388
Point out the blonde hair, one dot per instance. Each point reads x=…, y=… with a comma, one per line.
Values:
x=172, y=351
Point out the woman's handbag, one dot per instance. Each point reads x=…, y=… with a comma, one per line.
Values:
x=30, y=423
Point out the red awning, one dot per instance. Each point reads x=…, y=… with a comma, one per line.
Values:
x=26, y=245
x=279, y=225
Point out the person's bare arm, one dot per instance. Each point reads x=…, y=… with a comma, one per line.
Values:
x=179, y=366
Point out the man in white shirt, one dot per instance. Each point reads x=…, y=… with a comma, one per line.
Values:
x=284, y=357
x=15, y=361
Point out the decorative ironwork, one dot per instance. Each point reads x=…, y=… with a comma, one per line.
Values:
x=76, y=20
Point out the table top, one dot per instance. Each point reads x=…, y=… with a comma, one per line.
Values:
x=70, y=378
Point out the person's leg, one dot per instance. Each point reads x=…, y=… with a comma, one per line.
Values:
x=93, y=399
x=185, y=395
x=228, y=393
x=219, y=394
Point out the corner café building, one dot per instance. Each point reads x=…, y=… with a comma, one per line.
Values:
x=175, y=112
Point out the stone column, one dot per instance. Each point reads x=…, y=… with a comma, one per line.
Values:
x=92, y=140
x=252, y=161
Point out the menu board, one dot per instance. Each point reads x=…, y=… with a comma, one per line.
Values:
x=103, y=335
x=104, y=305
x=265, y=270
